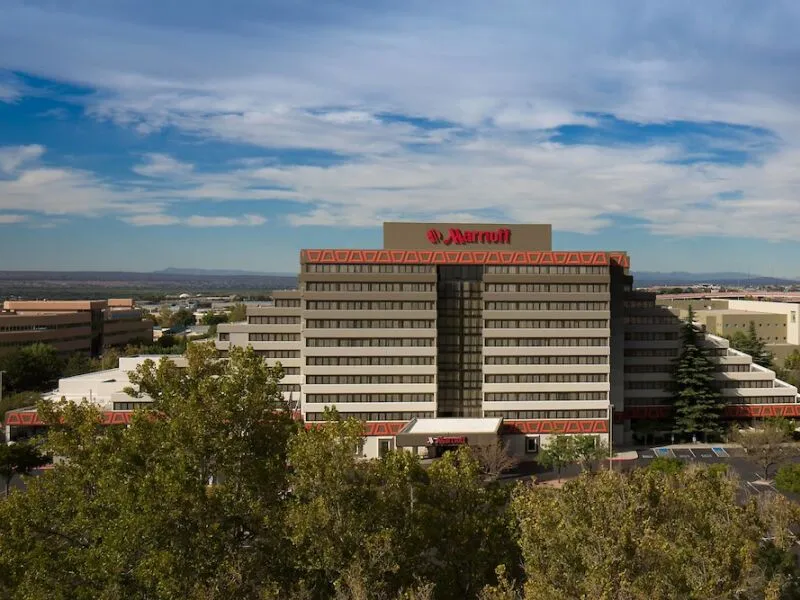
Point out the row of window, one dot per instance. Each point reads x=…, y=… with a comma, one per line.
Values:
x=340, y=268
x=289, y=387
x=279, y=353
x=640, y=303
x=546, y=323
x=374, y=416
x=651, y=320
x=363, y=286
x=650, y=336
x=547, y=378
x=763, y=400
x=272, y=337
x=543, y=396
x=756, y=383
x=368, y=360
x=129, y=405
x=642, y=352
x=290, y=370
x=278, y=320
x=587, y=288
x=59, y=341
x=41, y=327
x=508, y=305
x=645, y=385
x=366, y=379
x=648, y=368
x=559, y=342
x=287, y=302
x=371, y=342
x=546, y=270
x=369, y=323
x=547, y=360
x=350, y=398
x=369, y=305
x=516, y=415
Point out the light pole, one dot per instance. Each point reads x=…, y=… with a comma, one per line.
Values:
x=610, y=436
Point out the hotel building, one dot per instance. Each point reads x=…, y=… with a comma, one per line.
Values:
x=458, y=333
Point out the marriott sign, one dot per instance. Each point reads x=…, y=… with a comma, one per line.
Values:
x=462, y=237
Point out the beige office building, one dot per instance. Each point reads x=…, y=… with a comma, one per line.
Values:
x=87, y=326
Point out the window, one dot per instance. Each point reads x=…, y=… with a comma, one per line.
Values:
x=384, y=446
x=274, y=337
x=224, y=337
x=531, y=444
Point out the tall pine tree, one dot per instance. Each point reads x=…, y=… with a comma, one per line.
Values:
x=697, y=402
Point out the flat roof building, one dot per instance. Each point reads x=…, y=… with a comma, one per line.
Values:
x=87, y=326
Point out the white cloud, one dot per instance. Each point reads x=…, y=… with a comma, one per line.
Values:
x=201, y=221
x=277, y=79
x=158, y=219
x=10, y=219
x=12, y=157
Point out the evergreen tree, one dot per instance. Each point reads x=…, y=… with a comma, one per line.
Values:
x=751, y=344
x=697, y=402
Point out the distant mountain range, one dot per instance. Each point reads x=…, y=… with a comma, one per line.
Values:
x=717, y=278
x=219, y=272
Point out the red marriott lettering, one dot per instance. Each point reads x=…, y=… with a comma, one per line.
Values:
x=460, y=237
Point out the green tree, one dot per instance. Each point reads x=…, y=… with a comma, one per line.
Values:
x=77, y=363
x=165, y=316
x=187, y=502
x=697, y=402
x=750, y=343
x=18, y=400
x=558, y=453
x=589, y=450
x=18, y=459
x=238, y=313
x=668, y=466
x=647, y=536
x=212, y=318
x=792, y=362
x=35, y=367
x=182, y=318
x=768, y=446
x=788, y=478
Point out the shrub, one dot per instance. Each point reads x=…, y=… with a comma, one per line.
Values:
x=788, y=478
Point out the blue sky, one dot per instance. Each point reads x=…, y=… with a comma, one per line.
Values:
x=140, y=135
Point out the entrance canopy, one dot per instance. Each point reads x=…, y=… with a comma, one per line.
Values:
x=449, y=432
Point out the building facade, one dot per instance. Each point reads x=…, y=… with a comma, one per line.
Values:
x=87, y=326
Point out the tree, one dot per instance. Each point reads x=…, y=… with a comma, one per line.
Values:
x=494, y=459
x=751, y=344
x=792, y=362
x=18, y=459
x=697, y=402
x=77, y=363
x=182, y=318
x=18, y=400
x=238, y=313
x=558, y=453
x=589, y=450
x=788, y=478
x=200, y=478
x=668, y=466
x=165, y=316
x=651, y=536
x=35, y=367
x=212, y=318
x=768, y=446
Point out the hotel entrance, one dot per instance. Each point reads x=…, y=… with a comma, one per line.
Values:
x=443, y=435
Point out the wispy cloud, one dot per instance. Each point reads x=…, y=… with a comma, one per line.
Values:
x=159, y=219
x=10, y=219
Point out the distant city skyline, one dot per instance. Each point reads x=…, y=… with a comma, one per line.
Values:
x=194, y=136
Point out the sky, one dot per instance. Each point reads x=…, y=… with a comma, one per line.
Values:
x=142, y=134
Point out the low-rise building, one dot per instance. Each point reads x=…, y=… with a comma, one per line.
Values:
x=87, y=326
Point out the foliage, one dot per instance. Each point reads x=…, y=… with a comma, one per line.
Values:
x=182, y=318
x=589, y=450
x=788, y=478
x=35, y=367
x=131, y=513
x=647, y=536
x=18, y=459
x=213, y=318
x=668, y=466
x=494, y=459
x=792, y=362
x=696, y=400
x=77, y=363
x=750, y=343
x=18, y=400
x=558, y=453
x=238, y=313
x=768, y=446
